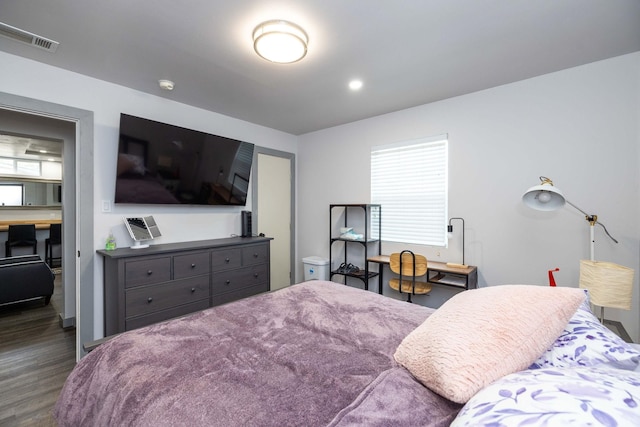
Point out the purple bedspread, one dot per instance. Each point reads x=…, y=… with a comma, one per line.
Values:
x=313, y=354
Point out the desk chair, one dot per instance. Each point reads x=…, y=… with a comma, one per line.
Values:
x=54, y=239
x=21, y=235
x=409, y=267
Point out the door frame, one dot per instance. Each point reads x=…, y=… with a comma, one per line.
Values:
x=77, y=208
x=255, y=219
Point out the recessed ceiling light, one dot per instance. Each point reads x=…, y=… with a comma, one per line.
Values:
x=280, y=41
x=355, y=84
x=166, y=84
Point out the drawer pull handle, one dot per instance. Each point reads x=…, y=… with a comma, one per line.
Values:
x=149, y=300
x=149, y=272
x=255, y=275
x=227, y=260
x=255, y=255
x=193, y=290
x=228, y=282
x=193, y=266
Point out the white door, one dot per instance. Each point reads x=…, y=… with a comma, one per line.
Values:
x=274, y=214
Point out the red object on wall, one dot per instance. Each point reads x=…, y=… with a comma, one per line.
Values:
x=552, y=281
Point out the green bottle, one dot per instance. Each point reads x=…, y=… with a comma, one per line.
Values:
x=111, y=242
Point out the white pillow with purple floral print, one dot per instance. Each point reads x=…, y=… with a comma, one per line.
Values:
x=580, y=396
x=587, y=342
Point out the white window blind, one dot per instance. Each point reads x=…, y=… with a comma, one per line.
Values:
x=410, y=181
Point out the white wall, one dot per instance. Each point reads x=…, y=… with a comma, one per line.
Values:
x=31, y=79
x=579, y=127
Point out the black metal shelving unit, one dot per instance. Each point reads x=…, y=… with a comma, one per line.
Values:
x=370, y=240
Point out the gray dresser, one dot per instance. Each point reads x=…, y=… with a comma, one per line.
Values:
x=145, y=286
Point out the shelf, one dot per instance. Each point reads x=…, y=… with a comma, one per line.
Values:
x=449, y=280
x=367, y=223
x=464, y=277
x=340, y=239
x=371, y=274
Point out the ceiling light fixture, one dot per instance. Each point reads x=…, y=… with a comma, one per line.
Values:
x=355, y=84
x=166, y=84
x=280, y=41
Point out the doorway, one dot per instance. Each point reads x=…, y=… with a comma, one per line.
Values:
x=77, y=207
x=273, y=204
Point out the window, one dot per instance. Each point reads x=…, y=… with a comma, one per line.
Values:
x=410, y=181
x=10, y=166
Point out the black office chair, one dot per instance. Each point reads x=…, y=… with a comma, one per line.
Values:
x=54, y=239
x=21, y=235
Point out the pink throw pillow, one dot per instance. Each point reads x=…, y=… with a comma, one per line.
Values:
x=481, y=335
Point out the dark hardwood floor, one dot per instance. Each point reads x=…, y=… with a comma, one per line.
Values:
x=36, y=356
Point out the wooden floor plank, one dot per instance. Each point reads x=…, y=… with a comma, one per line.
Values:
x=36, y=356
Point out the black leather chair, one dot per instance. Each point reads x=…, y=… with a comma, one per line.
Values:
x=21, y=235
x=54, y=239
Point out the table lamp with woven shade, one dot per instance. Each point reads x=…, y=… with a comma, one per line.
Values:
x=609, y=285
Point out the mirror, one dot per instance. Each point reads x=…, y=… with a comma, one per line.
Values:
x=27, y=193
x=30, y=171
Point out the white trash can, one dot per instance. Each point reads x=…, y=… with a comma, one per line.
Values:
x=316, y=268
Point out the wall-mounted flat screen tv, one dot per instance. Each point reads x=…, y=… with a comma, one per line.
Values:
x=164, y=164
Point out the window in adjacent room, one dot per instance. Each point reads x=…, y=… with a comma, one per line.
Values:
x=10, y=166
x=409, y=180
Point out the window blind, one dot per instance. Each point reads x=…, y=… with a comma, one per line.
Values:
x=410, y=181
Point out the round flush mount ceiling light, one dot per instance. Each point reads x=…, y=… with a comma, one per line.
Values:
x=280, y=41
x=166, y=84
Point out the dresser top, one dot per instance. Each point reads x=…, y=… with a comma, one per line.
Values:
x=182, y=246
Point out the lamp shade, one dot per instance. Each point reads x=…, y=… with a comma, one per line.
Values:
x=543, y=197
x=609, y=284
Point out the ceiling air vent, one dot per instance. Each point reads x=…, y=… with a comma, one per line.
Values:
x=26, y=37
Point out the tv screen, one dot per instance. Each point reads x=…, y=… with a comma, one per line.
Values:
x=164, y=164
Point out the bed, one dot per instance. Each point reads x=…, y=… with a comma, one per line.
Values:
x=325, y=354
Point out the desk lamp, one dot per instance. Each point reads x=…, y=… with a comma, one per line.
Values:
x=609, y=285
x=450, y=234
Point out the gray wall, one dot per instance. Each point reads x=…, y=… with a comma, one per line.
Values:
x=579, y=127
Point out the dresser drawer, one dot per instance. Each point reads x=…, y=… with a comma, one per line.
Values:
x=159, y=316
x=231, y=280
x=189, y=265
x=255, y=254
x=238, y=294
x=226, y=259
x=148, y=299
x=146, y=271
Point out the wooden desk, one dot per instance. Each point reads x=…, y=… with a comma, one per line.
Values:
x=41, y=224
x=438, y=273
